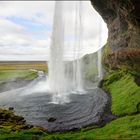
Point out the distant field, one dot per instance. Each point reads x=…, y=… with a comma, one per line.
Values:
x=20, y=65
x=21, y=69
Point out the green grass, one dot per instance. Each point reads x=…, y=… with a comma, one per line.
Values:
x=123, y=128
x=124, y=91
x=26, y=74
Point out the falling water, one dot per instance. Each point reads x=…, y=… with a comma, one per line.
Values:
x=56, y=78
x=59, y=83
x=78, y=47
x=100, y=75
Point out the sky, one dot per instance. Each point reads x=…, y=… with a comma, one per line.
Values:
x=26, y=28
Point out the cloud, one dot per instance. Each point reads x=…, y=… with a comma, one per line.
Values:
x=26, y=26
x=12, y=34
x=37, y=11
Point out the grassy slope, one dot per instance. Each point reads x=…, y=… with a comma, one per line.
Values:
x=125, y=97
x=124, y=91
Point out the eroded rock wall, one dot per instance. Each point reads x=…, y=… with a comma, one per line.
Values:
x=123, y=21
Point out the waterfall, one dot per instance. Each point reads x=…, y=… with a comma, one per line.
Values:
x=61, y=79
x=78, y=47
x=100, y=75
x=99, y=53
x=56, y=77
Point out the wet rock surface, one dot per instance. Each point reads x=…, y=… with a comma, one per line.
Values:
x=91, y=108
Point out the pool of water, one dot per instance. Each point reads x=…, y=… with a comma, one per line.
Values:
x=36, y=107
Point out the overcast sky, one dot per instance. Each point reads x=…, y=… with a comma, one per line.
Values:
x=26, y=27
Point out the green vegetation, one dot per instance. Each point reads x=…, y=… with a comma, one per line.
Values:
x=24, y=65
x=11, y=125
x=26, y=74
x=25, y=70
x=124, y=91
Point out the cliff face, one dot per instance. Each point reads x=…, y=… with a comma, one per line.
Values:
x=123, y=21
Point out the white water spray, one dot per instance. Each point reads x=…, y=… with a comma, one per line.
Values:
x=100, y=73
x=56, y=79
x=60, y=83
x=77, y=66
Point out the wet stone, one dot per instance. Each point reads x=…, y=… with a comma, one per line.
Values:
x=51, y=119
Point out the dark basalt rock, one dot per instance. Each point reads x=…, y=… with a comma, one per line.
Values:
x=7, y=116
x=51, y=119
x=137, y=80
x=11, y=108
x=138, y=107
x=123, y=22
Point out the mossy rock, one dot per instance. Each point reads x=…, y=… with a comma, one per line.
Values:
x=124, y=91
x=7, y=116
x=9, y=120
x=128, y=58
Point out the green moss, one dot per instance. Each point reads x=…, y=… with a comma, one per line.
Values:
x=8, y=118
x=124, y=91
x=15, y=127
x=113, y=76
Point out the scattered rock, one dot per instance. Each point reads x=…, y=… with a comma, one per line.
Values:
x=11, y=108
x=51, y=119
